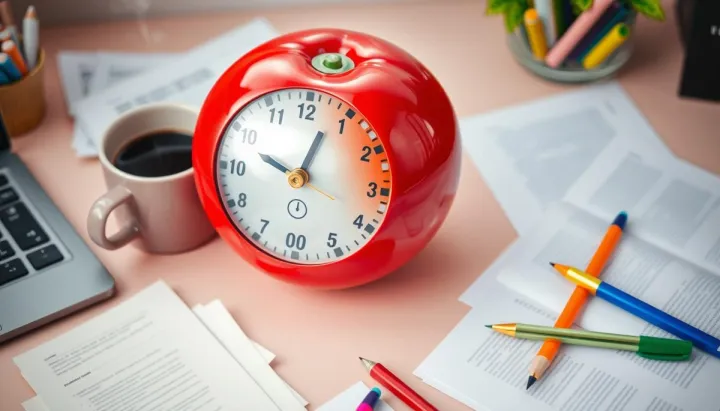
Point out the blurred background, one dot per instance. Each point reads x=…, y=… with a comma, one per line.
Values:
x=75, y=11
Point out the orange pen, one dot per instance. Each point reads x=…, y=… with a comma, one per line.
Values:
x=550, y=347
x=12, y=50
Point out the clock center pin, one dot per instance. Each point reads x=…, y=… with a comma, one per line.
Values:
x=298, y=177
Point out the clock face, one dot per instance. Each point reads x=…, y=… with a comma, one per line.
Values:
x=303, y=176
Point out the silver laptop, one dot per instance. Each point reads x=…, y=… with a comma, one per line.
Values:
x=46, y=269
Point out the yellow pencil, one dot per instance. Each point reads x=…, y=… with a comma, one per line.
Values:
x=536, y=34
x=606, y=46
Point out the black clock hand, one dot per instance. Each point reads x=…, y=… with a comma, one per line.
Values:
x=313, y=149
x=266, y=158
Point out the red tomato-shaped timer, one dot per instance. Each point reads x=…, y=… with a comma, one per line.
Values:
x=327, y=158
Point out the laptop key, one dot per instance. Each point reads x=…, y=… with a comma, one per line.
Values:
x=12, y=270
x=45, y=256
x=7, y=196
x=6, y=250
x=23, y=227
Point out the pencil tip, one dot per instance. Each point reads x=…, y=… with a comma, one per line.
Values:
x=552, y=264
x=621, y=220
x=488, y=326
x=531, y=381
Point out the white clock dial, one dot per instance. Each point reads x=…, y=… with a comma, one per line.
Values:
x=303, y=176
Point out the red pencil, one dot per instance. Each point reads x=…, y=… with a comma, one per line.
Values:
x=387, y=379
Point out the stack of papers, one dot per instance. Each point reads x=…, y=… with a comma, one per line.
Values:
x=86, y=73
x=99, y=87
x=562, y=168
x=152, y=352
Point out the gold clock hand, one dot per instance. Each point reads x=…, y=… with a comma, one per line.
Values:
x=320, y=191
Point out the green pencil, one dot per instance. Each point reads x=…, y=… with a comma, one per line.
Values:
x=664, y=349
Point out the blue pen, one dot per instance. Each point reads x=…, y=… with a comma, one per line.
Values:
x=647, y=312
x=4, y=79
x=9, y=68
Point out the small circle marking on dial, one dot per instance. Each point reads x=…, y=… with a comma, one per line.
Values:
x=303, y=176
x=297, y=209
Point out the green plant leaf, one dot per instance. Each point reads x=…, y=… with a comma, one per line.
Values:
x=514, y=16
x=498, y=6
x=650, y=8
x=581, y=5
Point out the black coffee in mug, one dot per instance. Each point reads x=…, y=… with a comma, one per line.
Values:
x=156, y=154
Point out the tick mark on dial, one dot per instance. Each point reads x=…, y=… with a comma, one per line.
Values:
x=329, y=100
x=275, y=248
x=318, y=255
x=328, y=254
x=284, y=253
x=242, y=118
x=382, y=207
x=319, y=100
x=356, y=243
x=363, y=236
x=376, y=221
x=348, y=247
x=339, y=105
x=265, y=245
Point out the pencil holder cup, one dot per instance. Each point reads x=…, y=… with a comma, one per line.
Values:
x=572, y=71
x=23, y=102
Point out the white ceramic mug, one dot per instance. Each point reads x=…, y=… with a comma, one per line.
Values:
x=163, y=214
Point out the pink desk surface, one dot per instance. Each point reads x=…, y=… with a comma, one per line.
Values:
x=399, y=320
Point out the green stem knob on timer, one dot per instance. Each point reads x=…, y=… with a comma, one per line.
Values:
x=332, y=63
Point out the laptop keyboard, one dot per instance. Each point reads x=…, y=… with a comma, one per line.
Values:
x=25, y=246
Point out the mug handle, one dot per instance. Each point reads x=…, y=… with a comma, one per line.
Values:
x=99, y=214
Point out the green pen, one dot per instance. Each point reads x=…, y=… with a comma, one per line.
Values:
x=654, y=348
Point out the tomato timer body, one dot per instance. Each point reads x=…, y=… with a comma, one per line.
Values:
x=327, y=158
